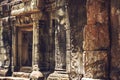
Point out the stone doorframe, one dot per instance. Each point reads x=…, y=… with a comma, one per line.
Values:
x=20, y=49
x=35, y=52
x=60, y=16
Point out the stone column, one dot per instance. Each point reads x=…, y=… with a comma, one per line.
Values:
x=35, y=53
x=13, y=63
x=62, y=43
x=96, y=41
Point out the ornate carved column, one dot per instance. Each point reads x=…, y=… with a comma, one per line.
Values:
x=35, y=53
x=62, y=43
x=96, y=41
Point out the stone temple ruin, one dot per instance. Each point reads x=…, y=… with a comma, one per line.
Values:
x=59, y=39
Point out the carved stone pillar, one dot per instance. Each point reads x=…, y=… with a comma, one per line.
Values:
x=96, y=41
x=35, y=54
x=13, y=63
x=62, y=44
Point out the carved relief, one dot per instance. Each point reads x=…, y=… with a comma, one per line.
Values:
x=5, y=45
x=60, y=53
x=77, y=18
x=50, y=5
x=18, y=9
x=24, y=20
x=36, y=4
x=25, y=7
x=60, y=39
x=75, y=66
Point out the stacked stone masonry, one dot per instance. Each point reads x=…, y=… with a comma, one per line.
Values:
x=71, y=39
x=96, y=40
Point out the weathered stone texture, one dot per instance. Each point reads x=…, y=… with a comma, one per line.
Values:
x=96, y=37
x=21, y=74
x=95, y=64
x=97, y=11
x=78, y=19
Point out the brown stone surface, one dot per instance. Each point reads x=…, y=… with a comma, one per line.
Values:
x=96, y=37
x=97, y=11
x=95, y=64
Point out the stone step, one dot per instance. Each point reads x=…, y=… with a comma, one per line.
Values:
x=21, y=74
x=13, y=78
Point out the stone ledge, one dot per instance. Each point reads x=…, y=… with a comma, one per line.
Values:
x=21, y=74
x=58, y=76
x=13, y=78
x=92, y=79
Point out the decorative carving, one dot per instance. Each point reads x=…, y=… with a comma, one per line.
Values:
x=18, y=9
x=23, y=20
x=75, y=66
x=35, y=52
x=60, y=51
x=5, y=8
x=77, y=21
x=36, y=4
x=62, y=45
x=37, y=16
x=25, y=7
x=5, y=45
x=95, y=64
x=60, y=39
x=50, y=5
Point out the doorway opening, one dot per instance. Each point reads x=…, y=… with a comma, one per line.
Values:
x=24, y=49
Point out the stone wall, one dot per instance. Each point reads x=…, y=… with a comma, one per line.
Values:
x=96, y=40
x=115, y=42
x=5, y=38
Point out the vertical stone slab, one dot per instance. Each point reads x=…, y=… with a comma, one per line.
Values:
x=96, y=41
x=13, y=61
x=35, y=54
x=62, y=43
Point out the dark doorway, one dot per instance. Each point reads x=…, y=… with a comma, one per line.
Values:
x=24, y=49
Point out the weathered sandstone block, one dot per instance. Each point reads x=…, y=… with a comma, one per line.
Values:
x=96, y=37
x=97, y=11
x=95, y=64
